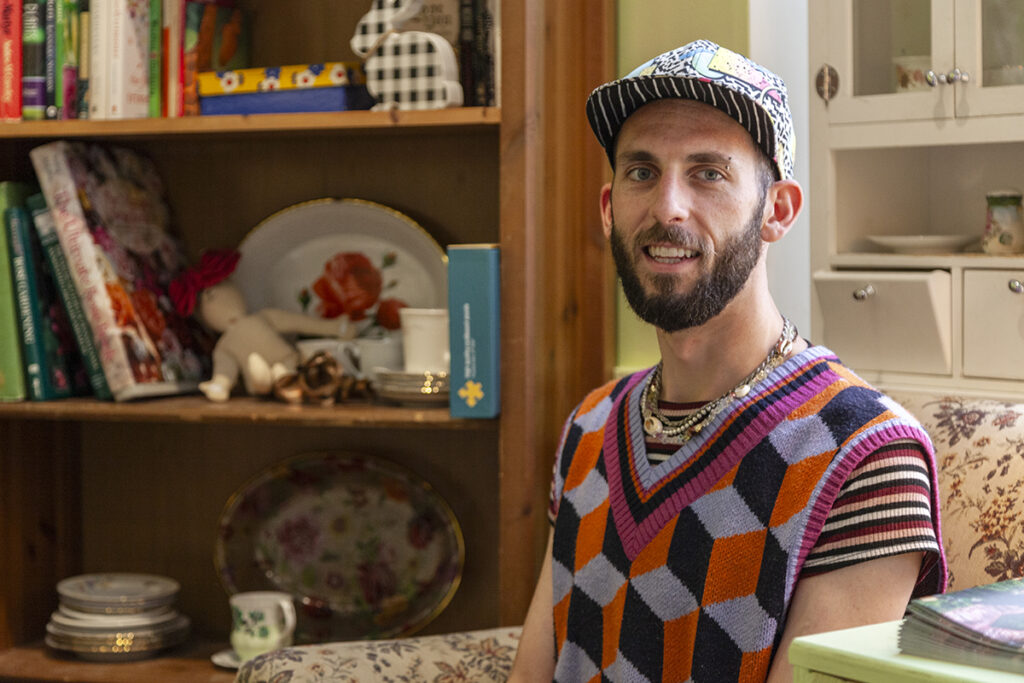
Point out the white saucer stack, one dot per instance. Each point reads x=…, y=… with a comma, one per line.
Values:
x=116, y=617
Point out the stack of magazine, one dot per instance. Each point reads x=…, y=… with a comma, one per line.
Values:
x=980, y=626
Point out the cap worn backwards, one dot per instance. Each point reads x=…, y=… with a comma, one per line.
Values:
x=703, y=71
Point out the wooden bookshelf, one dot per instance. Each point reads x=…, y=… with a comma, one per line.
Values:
x=246, y=411
x=139, y=486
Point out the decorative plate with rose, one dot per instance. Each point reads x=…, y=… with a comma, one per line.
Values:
x=333, y=257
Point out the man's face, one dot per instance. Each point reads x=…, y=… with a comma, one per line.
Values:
x=689, y=202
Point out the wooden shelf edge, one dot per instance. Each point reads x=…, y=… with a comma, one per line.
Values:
x=187, y=664
x=877, y=260
x=357, y=121
x=242, y=410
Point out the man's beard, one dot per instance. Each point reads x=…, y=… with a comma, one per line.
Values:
x=712, y=291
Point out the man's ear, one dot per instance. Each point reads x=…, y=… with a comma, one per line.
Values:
x=785, y=199
x=606, y=209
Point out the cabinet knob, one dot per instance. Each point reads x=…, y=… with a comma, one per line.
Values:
x=863, y=293
x=932, y=78
x=1016, y=286
x=954, y=76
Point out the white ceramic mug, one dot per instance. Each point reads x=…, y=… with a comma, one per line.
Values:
x=425, y=339
x=365, y=354
x=261, y=621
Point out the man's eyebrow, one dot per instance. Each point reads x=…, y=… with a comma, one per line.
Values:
x=694, y=158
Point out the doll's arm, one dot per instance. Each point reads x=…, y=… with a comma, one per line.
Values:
x=225, y=375
x=300, y=323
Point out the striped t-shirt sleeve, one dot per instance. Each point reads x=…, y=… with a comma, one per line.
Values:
x=883, y=509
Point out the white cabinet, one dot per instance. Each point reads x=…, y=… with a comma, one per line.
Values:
x=888, y=321
x=994, y=324
x=901, y=161
x=900, y=60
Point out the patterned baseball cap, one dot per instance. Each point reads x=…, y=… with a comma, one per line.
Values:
x=751, y=94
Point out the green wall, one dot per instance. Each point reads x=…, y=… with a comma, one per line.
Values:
x=646, y=28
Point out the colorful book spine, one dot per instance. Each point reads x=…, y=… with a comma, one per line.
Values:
x=67, y=59
x=173, y=16
x=53, y=169
x=10, y=59
x=474, y=317
x=46, y=367
x=12, y=368
x=467, y=69
x=84, y=57
x=33, y=60
x=146, y=348
x=99, y=58
x=48, y=240
x=51, y=58
x=155, y=58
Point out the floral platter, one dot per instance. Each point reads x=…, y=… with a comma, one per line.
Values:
x=329, y=257
x=367, y=548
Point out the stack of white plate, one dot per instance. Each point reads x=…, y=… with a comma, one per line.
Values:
x=116, y=617
x=412, y=387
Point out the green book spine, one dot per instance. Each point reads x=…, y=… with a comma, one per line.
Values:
x=84, y=45
x=67, y=59
x=25, y=294
x=156, y=32
x=12, y=369
x=47, y=231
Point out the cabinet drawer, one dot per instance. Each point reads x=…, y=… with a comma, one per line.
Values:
x=994, y=323
x=876, y=320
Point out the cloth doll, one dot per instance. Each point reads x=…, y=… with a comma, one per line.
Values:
x=250, y=344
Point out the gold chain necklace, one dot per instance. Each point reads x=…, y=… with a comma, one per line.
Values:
x=657, y=425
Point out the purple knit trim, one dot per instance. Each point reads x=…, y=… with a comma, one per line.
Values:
x=635, y=535
x=873, y=439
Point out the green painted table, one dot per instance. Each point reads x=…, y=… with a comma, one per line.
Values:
x=868, y=654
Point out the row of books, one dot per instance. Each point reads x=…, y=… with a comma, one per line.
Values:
x=86, y=257
x=114, y=59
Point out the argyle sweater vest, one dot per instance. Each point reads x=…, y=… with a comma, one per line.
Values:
x=684, y=570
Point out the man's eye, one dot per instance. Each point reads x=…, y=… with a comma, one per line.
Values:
x=710, y=174
x=640, y=173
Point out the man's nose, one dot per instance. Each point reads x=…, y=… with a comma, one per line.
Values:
x=672, y=201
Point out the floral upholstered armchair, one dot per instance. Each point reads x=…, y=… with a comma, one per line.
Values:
x=979, y=449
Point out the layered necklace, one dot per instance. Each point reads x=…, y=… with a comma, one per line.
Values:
x=659, y=426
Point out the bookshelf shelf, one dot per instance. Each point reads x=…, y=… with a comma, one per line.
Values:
x=334, y=122
x=243, y=410
x=187, y=664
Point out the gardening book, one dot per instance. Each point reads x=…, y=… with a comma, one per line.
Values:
x=12, y=372
x=50, y=355
x=90, y=365
x=216, y=38
x=980, y=626
x=114, y=228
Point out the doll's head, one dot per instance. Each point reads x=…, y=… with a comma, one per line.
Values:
x=220, y=301
x=221, y=305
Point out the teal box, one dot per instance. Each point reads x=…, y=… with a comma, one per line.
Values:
x=474, y=319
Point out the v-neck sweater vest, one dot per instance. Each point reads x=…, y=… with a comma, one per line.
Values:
x=684, y=570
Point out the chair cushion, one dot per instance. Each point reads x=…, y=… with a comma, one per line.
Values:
x=467, y=656
x=979, y=450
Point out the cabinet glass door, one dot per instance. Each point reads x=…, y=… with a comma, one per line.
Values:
x=990, y=50
x=888, y=56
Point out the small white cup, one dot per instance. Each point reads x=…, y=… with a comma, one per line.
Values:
x=425, y=339
x=369, y=353
x=307, y=347
x=261, y=621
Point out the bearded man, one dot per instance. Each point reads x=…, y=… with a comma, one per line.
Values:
x=749, y=488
